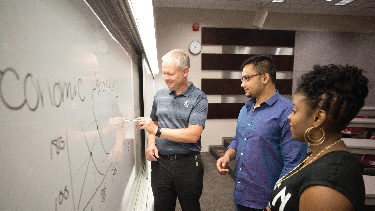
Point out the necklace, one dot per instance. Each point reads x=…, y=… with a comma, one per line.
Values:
x=295, y=172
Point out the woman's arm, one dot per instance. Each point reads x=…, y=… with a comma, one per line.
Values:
x=323, y=198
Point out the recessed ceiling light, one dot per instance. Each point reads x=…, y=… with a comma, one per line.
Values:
x=278, y=0
x=344, y=2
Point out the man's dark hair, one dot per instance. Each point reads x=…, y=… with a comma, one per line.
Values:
x=262, y=64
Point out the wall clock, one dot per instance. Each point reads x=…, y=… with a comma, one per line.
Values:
x=195, y=47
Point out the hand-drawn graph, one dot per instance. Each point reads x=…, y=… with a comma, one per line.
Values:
x=61, y=99
x=100, y=171
x=93, y=143
x=91, y=172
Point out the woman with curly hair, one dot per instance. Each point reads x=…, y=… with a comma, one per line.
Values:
x=326, y=100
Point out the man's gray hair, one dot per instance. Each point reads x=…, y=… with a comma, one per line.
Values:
x=182, y=59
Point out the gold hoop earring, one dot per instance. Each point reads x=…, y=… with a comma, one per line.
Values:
x=312, y=142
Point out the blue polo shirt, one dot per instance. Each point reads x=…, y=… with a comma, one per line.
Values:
x=179, y=111
x=265, y=150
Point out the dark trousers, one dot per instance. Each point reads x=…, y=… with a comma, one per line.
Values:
x=239, y=207
x=172, y=179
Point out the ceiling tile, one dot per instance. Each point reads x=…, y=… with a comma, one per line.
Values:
x=358, y=7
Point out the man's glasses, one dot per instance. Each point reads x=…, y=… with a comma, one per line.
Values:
x=247, y=78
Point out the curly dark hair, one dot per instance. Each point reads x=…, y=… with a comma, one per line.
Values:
x=262, y=64
x=338, y=90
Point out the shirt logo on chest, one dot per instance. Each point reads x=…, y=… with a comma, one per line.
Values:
x=186, y=103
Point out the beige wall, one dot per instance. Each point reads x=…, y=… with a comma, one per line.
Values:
x=174, y=30
x=325, y=48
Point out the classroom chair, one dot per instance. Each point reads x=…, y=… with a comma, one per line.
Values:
x=349, y=132
x=368, y=164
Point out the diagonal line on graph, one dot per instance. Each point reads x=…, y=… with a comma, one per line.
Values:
x=98, y=187
x=97, y=128
x=83, y=185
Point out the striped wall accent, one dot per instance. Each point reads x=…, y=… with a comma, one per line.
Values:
x=232, y=86
x=247, y=37
x=229, y=48
x=234, y=61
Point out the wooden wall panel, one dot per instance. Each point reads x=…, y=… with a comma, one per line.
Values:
x=284, y=86
x=224, y=110
x=222, y=86
x=247, y=37
x=234, y=61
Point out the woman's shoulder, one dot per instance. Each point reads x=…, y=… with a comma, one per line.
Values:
x=339, y=171
x=334, y=165
x=341, y=159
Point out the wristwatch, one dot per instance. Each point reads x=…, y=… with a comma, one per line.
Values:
x=158, y=132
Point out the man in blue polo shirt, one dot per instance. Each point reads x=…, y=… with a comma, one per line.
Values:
x=178, y=117
x=263, y=144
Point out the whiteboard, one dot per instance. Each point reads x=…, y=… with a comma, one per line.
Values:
x=63, y=80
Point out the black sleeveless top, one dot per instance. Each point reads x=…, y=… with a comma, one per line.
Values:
x=338, y=170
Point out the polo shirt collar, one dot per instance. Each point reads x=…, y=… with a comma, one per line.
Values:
x=187, y=92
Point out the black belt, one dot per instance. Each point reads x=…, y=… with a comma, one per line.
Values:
x=179, y=157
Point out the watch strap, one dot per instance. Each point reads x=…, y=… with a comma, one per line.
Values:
x=158, y=132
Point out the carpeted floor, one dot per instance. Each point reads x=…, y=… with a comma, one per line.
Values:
x=217, y=188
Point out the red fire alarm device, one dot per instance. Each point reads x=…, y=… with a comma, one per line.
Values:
x=195, y=27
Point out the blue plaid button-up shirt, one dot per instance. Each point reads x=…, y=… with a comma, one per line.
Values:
x=265, y=150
